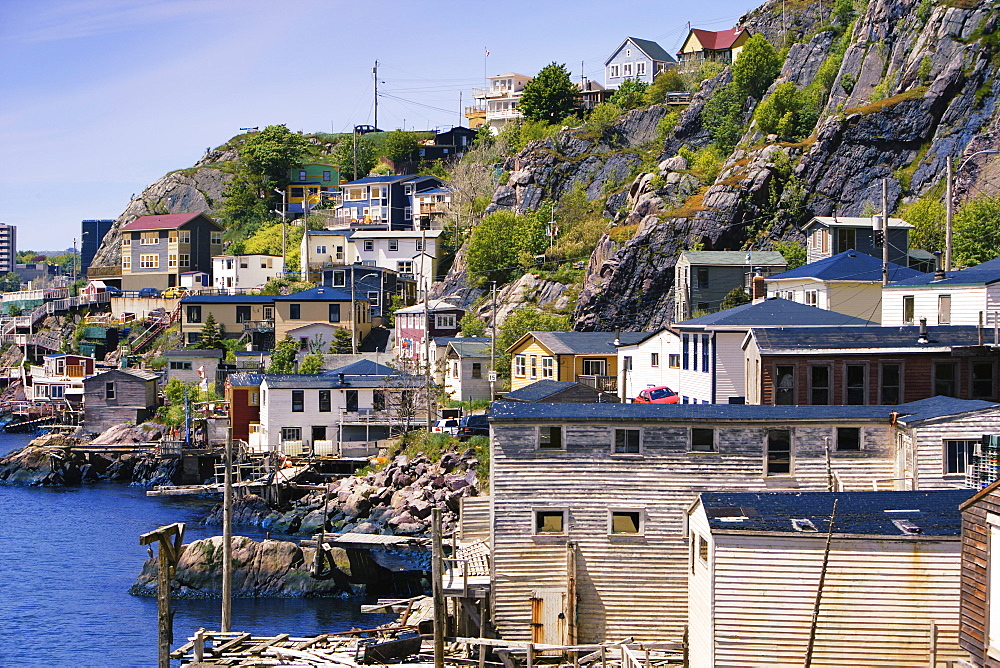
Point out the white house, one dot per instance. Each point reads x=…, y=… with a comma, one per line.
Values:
x=467, y=367
x=651, y=362
x=830, y=235
x=412, y=254
x=945, y=298
x=499, y=100
x=235, y=272
x=887, y=593
x=59, y=378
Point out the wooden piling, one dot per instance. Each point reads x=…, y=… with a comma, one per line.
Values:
x=227, y=536
x=171, y=540
x=437, y=576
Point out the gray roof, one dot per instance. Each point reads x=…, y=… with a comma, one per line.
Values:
x=652, y=49
x=543, y=389
x=934, y=513
x=365, y=368
x=502, y=411
x=773, y=312
x=855, y=221
x=227, y=299
x=141, y=374
x=470, y=348
x=735, y=258
x=194, y=353
x=796, y=340
x=587, y=343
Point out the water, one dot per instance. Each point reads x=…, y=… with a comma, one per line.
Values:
x=68, y=557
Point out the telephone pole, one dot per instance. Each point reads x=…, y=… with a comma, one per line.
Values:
x=493, y=343
x=375, y=75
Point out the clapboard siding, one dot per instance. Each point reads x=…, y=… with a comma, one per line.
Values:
x=474, y=518
x=635, y=586
x=929, y=439
x=975, y=605
x=966, y=303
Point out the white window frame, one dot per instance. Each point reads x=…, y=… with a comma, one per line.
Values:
x=172, y=261
x=811, y=298
x=548, y=367
x=614, y=72
x=445, y=321
x=373, y=297
x=970, y=444
x=368, y=245
x=654, y=360
x=184, y=236
x=393, y=245
x=127, y=262
x=127, y=240
x=149, y=238
x=520, y=366
x=535, y=510
x=614, y=442
x=562, y=437
x=149, y=261
x=640, y=68
x=184, y=260
x=641, y=511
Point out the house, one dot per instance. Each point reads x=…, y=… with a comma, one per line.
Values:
x=467, y=369
x=721, y=46
x=639, y=59
x=431, y=208
x=585, y=357
x=867, y=365
x=118, y=396
x=712, y=361
x=340, y=412
x=376, y=284
x=979, y=630
x=193, y=366
x=559, y=391
x=453, y=143
x=232, y=273
x=829, y=235
x=322, y=305
x=59, y=378
x=591, y=94
x=156, y=250
x=383, y=201
x=849, y=282
x=242, y=392
x=240, y=316
x=945, y=298
x=196, y=281
x=594, y=497
x=496, y=104
x=702, y=279
x=653, y=361
x=763, y=563
x=312, y=183
x=433, y=319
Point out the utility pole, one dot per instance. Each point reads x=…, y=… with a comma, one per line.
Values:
x=493, y=343
x=227, y=534
x=355, y=172
x=375, y=74
x=427, y=329
x=948, y=213
x=437, y=587
x=885, y=231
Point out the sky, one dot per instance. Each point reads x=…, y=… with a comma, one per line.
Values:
x=100, y=98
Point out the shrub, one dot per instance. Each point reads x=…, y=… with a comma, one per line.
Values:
x=631, y=94
x=601, y=118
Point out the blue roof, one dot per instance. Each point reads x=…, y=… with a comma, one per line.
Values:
x=774, y=311
x=933, y=512
x=981, y=274
x=344, y=232
x=245, y=379
x=228, y=299
x=364, y=368
x=394, y=178
x=502, y=411
x=542, y=389
x=319, y=294
x=847, y=266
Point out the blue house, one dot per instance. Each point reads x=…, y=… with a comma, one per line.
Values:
x=386, y=201
x=639, y=59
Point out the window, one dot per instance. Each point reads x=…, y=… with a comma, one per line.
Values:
x=407, y=189
x=548, y=365
x=109, y=391
x=533, y=366
x=654, y=359
x=908, y=309
x=127, y=262
x=184, y=260
x=127, y=240
x=242, y=314
x=627, y=69
x=819, y=385
x=373, y=297
x=890, y=390
x=149, y=261
x=351, y=401
x=519, y=366
x=369, y=245
x=811, y=298
x=408, y=211
x=477, y=370
x=702, y=277
x=595, y=367
x=378, y=400
x=702, y=439
x=625, y=521
x=454, y=369
x=291, y=433
x=180, y=366
x=193, y=313
x=958, y=455
x=149, y=238
x=702, y=550
x=294, y=311
x=172, y=261
x=614, y=71
x=945, y=379
x=445, y=321
x=302, y=175
x=194, y=337
x=184, y=236
x=320, y=250
x=640, y=69
x=848, y=439
x=298, y=401
x=550, y=438
x=944, y=309
x=216, y=238
x=420, y=245
x=685, y=346
x=628, y=441
x=627, y=362
x=268, y=313
x=324, y=401
x=394, y=244
x=694, y=352
x=855, y=381
x=674, y=361
x=296, y=192
x=333, y=312
x=784, y=391
x=404, y=266
x=253, y=398
x=982, y=380
x=846, y=239
x=779, y=452
x=339, y=279
x=704, y=353
x=550, y=521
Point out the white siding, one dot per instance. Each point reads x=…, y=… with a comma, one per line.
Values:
x=701, y=597
x=465, y=387
x=966, y=303
x=927, y=442
x=643, y=373
x=730, y=366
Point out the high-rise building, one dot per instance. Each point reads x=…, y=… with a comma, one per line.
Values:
x=90, y=240
x=8, y=247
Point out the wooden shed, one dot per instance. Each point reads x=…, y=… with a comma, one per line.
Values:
x=118, y=396
x=979, y=631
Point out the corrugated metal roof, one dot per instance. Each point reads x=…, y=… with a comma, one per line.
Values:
x=433, y=306
x=930, y=512
x=774, y=311
x=847, y=266
x=775, y=340
x=735, y=258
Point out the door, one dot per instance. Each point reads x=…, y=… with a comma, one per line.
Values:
x=318, y=433
x=548, y=616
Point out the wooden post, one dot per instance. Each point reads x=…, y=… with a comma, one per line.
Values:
x=531, y=654
x=482, y=631
x=227, y=536
x=199, y=645
x=604, y=656
x=171, y=539
x=819, y=589
x=570, y=593
x=934, y=642
x=437, y=576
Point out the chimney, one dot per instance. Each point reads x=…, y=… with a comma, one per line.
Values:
x=939, y=274
x=923, y=331
x=758, y=285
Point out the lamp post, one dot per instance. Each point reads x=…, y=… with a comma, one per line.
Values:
x=950, y=205
x=284, y=269
x=354, y=308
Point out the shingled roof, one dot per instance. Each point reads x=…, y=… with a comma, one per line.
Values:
x=827, y=340
x=170, y=221
x=774, y=312
x=850, y=265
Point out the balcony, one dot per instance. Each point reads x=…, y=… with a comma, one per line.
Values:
x=600, y=383
x=503, y=114
x=258, y=325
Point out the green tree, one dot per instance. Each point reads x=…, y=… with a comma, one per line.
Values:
x=756, y=67
x=342, y=343
x=722, y=117
x=667, y=81
x=311, y=364
x=844, y=12
x=246, y=205
x=343, y=154
x=504, y=241
x=550, y=96
x=211, y=335
x=631, y=94
x=736, y=297
x=274, y=151
x=10, y=282
x=793, y=252
x=976, y=237
x=522, y=320
x=470, y=325
x=283, y=356
x=927, y=215
x=780, y=112
x=399, y=145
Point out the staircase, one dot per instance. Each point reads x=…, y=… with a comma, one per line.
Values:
x=156, y=326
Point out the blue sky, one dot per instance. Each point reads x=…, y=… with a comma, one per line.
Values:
x=103, y=97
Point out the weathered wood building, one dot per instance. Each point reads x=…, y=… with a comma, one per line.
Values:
x=118, y=396
x=889, y=595
x=592, y=498
x=979, y=632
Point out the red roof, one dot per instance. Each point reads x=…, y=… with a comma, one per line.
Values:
x=169, y=221
x=714, y=41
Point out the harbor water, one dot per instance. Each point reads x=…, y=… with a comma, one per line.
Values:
x=69, y=555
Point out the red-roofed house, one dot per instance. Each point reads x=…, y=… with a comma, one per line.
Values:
x=722, y=46
x=156, y=250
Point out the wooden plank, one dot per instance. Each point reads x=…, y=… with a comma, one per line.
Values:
x=261, y=646
x=229, y=644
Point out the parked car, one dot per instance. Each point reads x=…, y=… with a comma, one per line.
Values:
x=657, y=395
x=175, y=292
x=151, y=293
x=113, y=291
x=473, y=425
x=447, y=426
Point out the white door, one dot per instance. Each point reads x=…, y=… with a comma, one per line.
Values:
x=548, y=616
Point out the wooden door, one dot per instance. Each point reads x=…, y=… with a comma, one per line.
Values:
x=548, y=616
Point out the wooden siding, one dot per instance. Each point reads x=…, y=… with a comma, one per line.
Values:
x=928, y=443
x=133, y=402
x=635, y=585
x=966, y=303
x=474, y=518
x=975, y=604
x=562, y=364
x=879, y=600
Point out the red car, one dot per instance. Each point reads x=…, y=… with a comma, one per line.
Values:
x=657, y=395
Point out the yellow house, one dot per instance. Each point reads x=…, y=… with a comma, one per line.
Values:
x=322, y=305
x=585, y=357
x=722, y=46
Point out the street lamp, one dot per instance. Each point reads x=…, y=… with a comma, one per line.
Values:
x=949, y=203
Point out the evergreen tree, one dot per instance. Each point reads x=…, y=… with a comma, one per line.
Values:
x=283, y=356
x=311, y=364
x=342, y=343
x=211, y=335
x=550, y=96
